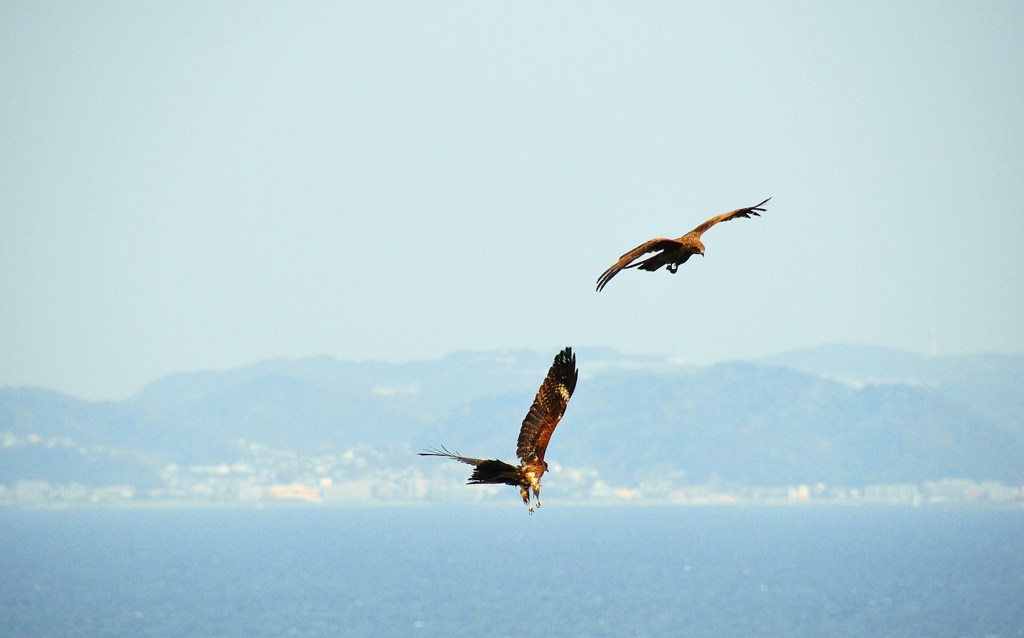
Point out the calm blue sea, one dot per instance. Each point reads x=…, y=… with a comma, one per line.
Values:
x=495, y=571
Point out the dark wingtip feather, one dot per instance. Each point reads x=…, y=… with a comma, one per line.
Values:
x=433, y=451
x=565, y=361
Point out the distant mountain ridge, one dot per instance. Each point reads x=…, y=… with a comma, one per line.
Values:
x=991, y=384
x=837, y=414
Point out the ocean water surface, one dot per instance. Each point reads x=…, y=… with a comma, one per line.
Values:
x=485, y=571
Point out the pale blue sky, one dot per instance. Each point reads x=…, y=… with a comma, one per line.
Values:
x=202, y=185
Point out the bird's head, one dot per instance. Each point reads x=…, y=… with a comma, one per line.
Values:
x=699, y=248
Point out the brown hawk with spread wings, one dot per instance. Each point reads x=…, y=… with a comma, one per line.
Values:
x=673, y=252
x=545, y=413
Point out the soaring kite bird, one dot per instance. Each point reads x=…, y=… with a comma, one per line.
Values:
x=673, y=252
x=547, y=409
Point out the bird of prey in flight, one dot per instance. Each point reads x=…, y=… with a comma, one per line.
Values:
x=672, y=252
x=545, y=413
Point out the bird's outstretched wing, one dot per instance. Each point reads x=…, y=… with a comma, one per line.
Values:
x=548, y=407
x=650, y=246
x=755, y=210
x=485, y=470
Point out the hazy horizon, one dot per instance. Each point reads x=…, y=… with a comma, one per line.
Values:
x=930, y=354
